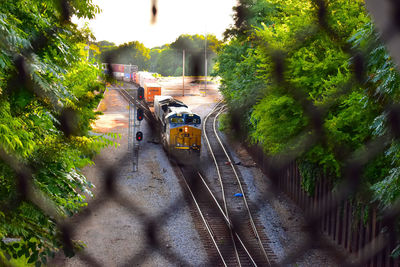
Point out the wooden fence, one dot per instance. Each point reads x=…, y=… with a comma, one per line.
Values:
x=358, y=236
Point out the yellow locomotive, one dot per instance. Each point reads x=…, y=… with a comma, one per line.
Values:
x=180, y=127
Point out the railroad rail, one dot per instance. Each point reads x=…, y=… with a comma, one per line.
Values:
x=228, y=243
x=129, y=95
x=208, y=216
x=219, y=229
x=230, y=184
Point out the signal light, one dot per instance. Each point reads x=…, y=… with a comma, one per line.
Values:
x=139, y=114
x=139, y=136
x=140, y=93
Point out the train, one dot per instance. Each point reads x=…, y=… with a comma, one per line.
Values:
x=130, y=73
x=121, y=72
x=180, y=127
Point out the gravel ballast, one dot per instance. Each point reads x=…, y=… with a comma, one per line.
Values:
x=115, y=235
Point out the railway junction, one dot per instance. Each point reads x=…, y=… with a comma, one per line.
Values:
x=196, y=222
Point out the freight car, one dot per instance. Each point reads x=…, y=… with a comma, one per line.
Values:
x=150, y=91
x=129, y=73
x=145, y=77
x=122, y=72
x=180, y=127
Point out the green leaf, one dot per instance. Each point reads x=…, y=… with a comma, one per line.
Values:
x=21, y=252
x=33, y=257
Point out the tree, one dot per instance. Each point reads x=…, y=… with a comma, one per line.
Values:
x=168, y=61
x=314, y=67
x=249, y=14
x=105, y=45
x=318, y=68
x=238, y=65
x=134, y=53
x=47, y=99
x=168, y=58
x=381, y=87
x=97, y=48
x=154, y=58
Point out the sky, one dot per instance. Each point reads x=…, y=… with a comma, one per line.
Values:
x=123, y=21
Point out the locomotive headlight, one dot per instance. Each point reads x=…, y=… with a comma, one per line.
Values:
x=186, y=129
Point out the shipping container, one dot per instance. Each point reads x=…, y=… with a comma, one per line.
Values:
x=117, y=68
x=137, y=77
x=127, y=77
x=146, y=77
x=151, y=90
x=118, y=75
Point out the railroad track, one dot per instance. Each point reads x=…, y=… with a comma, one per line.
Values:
x=236, y=208
x=129, y=95
x=222, y=240
x=233, y=235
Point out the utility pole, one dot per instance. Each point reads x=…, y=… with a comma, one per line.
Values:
x=205, y=64
x=133, y=127
x=88, y=53
x=183, y=73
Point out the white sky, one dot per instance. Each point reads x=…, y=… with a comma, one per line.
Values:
x=123, y=21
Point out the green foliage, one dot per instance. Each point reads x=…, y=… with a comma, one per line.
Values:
x=278, y=119
x=316, y=71
x=134, y=53
x=277, y=109
x=240, y=84
x=167, y=60
x=18, y=262
x=105, y=46
x=178, y=71
x=318, y=75
x=382, y=87
x=310, y=173
x=249, y=14
x=58, y=80
x=98, y=48
x=224, y=122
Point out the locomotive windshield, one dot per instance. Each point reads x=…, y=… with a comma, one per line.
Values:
x=185, y=119
x=192, y=120
x=177, y=120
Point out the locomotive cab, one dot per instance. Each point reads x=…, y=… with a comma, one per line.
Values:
x=181, y=128
x=184, y=131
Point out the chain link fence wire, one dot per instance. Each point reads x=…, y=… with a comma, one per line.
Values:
x=277, y=168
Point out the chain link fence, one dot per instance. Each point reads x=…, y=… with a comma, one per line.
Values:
x=327, y=210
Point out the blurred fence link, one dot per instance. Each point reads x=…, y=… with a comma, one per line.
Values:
x=331, y=212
